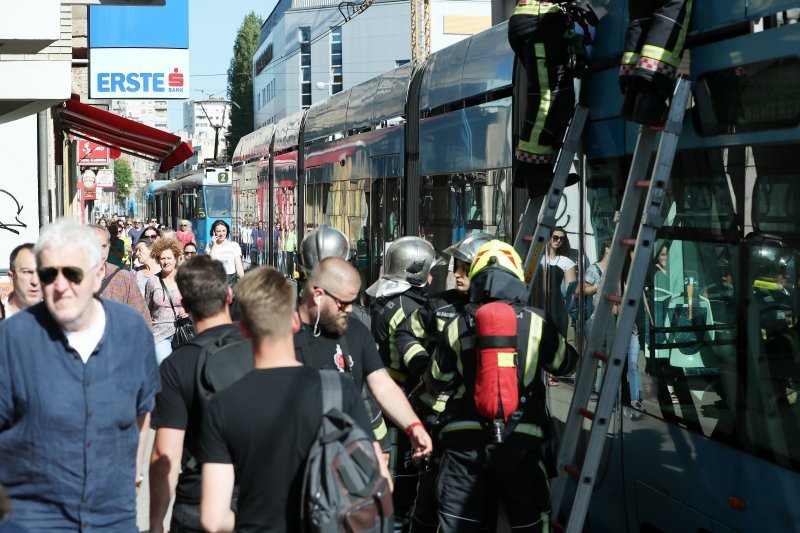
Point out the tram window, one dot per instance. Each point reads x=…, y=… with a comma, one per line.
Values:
x=188, y=201
x=758, y=96
x=218, y=202
x=772, y=406
x=690, y=334
x=776, y=204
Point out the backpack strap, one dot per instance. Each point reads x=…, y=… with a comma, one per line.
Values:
x=166, y=291
x=346, y=353
x=331, y=391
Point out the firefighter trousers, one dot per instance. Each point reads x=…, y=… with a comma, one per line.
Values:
x=472, y=481
x=538, y=41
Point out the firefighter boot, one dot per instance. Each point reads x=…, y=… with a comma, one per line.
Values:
x=651, y=107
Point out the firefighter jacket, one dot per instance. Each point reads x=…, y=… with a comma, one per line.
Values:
x=428, y=322
x=453, y=367
x=654, y=44
x=402, y=352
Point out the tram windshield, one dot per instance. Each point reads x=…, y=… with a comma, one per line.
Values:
x=218, y=202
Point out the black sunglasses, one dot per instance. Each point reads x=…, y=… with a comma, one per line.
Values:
x=341, y=304
x=150, y=236
x=189, y=253
x=48, y=275
x=557, y=237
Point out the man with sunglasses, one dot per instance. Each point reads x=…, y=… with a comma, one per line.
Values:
x=78, y=379
x=136, y=231
x=331, y=338
x=25, y=281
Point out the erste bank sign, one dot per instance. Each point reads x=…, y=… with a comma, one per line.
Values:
x=149, y=73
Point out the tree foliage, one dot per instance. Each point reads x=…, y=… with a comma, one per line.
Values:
x=240, y=80
x=123, y=177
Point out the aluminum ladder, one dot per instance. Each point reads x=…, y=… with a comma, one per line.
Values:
x=624, y=241
x=534, y=232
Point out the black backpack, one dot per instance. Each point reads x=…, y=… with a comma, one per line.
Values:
x=222, y=361
x=343, y=489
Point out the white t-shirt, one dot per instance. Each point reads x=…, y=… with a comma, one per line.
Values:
x=226, y=253
x=86, y=341
x=561, y=261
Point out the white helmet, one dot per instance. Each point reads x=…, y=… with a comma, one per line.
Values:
x=466, y=249
x=323, y=241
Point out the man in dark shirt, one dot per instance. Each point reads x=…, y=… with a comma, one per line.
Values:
x=330, y=338
x=259, y=430
x=178, y=413
x=78, y=379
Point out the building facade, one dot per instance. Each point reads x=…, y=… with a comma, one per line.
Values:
x=306, y=53
x=201, y=120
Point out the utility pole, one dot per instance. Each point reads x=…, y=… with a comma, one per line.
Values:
x=217, y=127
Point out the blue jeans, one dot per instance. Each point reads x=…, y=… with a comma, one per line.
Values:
x=163, y=349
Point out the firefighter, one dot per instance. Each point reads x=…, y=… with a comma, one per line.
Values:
x=398, y=293
x=429, y=321
x=486, y=461
x=327, y=241
x=553, y=55
x=654, y=46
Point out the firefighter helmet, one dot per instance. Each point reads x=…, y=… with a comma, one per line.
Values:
x=497, y=254
x=466, y=249
x=324, y=241
x=409, y=259
x=769, y=259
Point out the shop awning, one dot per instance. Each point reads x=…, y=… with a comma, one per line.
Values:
x=125, y=135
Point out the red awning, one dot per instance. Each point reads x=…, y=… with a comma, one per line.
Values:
x=125, y=135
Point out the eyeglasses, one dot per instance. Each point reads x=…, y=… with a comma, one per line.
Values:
x=557, y=237
x=184, y=225
x=48, y=275
x=150, y=236
x=341, y=304
x=189, y=254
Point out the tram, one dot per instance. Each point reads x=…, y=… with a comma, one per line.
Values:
x=426, y=149
x=200, y=196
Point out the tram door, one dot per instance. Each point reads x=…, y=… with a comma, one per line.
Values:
x=385, y=206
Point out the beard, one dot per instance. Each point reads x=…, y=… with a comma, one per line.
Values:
x=333, y=324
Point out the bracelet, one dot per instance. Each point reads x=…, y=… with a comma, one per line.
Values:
x=411, y=427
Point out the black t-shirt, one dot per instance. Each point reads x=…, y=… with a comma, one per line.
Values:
x=327, y=353
x=264, y=425
x=177, y=407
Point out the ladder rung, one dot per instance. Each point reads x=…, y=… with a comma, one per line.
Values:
x=585, y=413
x=527, y=238
x=628, y=242
x=616, y=298
x=558, y=526
x=601, y=356
x=571, y=472
x=642, y=184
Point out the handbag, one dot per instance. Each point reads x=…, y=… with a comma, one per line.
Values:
x=184, y=329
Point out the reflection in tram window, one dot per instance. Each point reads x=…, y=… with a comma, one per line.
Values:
x=453, y=206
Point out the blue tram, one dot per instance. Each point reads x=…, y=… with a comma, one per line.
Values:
x=200, y=196
x=426, y=150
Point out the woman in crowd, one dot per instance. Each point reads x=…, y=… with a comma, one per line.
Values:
x=148, y=267
x=558, y=250
x=225, y=251
x=184, y=233
x=116, y=250
x=162, y=296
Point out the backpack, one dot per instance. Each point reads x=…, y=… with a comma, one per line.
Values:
x=343, y=489
x=221, y=362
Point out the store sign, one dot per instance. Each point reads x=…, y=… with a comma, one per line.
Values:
x=125, y=73
x=105, y=178
x=89, y=185
x=91, y=154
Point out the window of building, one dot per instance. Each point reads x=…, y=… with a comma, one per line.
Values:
x=336, y=60
x=305, y=66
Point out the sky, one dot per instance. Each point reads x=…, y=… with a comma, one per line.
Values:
x=212, y=32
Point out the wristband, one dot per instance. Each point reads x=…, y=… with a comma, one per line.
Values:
x=411, y=427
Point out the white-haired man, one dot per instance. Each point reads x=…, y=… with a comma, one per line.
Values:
x=78, y=378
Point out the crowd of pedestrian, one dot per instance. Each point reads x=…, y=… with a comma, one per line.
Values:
x=97, y=347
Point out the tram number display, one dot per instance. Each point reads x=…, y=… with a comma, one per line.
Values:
x=754, y=97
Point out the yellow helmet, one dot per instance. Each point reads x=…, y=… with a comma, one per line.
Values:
x=497, y=253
